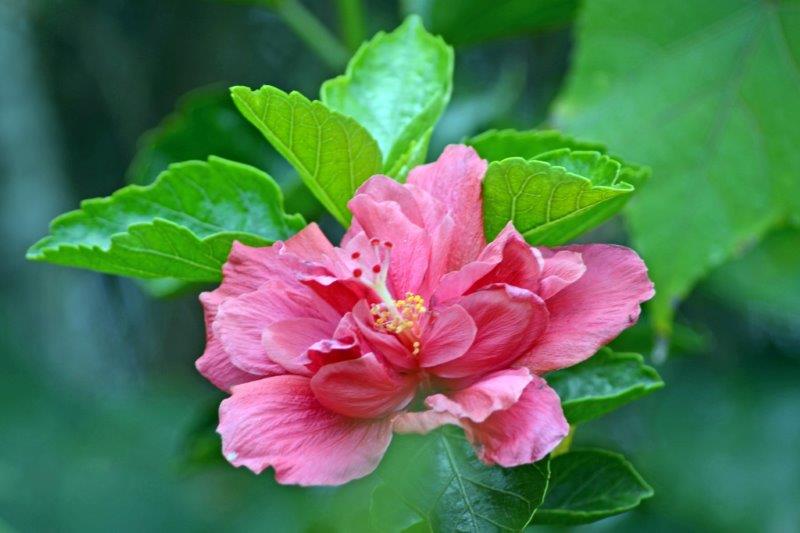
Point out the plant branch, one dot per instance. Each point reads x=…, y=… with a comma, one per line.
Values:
x=316, y=36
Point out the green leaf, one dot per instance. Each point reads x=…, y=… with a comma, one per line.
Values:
x=181, y=226
x=603, y=383
x=763, y=285
x=588, y=485
x=705, y=93
x=436, y=483
x=396, y=86
x=470, y=21
x=332, y=153
x=205, y=123
x=496, y=145
x=555, y=197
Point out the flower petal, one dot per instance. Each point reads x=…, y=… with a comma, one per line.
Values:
x=241, y=274
x=447, y=336
x=386, y=221
x=508, y=320
x=241, y=321
x=362, y=388
x=495, y=392
x=422, y=422
x=508, y=259
x=560, y=270
x=384, y=344
x=455, y=179
x=278, y=422
x=216, y=366
x=523, y=433
x=287, y=342
x=589, y=313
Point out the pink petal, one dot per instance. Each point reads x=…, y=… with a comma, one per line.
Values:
x=508, y=259
x=278, y=422
x=216, y=366
x=287, y=342
x=241, y=321
x=589, y=313
x=422, y=422
x=241, y=274
x=496, y=392
x=447, y=336
x=560, y=270
x=523, y=433
x=509, y=320
x=411, y=249
x=455, y=179
x=384, y=344
x=362, y=388
x=311, y=244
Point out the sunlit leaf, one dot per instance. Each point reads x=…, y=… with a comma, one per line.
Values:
x=332, y=153
x=181, y=226
x=555, y=197
x=396, y=86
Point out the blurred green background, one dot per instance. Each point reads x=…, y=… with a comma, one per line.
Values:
x=98, y=390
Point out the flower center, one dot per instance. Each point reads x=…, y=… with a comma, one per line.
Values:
x=401, y=317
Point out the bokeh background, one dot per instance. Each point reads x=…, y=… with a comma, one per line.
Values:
x=103, y=419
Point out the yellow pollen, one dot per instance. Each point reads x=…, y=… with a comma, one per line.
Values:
x=404, y=318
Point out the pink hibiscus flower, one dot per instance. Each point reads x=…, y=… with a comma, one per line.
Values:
x=325, y=349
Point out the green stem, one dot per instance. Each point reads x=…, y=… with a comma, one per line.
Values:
x=313, y=33
x=351, y=23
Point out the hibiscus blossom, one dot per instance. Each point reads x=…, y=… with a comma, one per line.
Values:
x=413, y=322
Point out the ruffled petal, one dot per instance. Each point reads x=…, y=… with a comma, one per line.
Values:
x=287, y=342
x=422, y=422
x=384, y=344
x=362, y=388
x=508, y=259
x=508, y=320
x=241, y=321
x=495, y=392
x=410, y=256
x=561, y=269
x=455, y=180
x=447, y=336
x=523, y=433
x=242, y=273
x=589, y=313
x=278, y=422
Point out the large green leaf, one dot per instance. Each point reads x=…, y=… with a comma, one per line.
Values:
x=469, y=21
x=332, y=153
x=764, y=285
x=587, y=485
x=603, y=383
x=436, y=483
x=181, y=226
x=205, y=123
x=555, y=197
x=705, y=93
x=396, y=86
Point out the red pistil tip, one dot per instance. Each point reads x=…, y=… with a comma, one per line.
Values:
x=376, y=269
x=355, y=255
x=357, y=272
x=388, y=244
x=375, y=242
